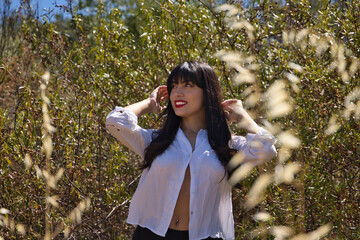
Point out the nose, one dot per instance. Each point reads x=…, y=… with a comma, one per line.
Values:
x=178, y=91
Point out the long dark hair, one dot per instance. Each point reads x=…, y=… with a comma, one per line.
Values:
x=218, y=130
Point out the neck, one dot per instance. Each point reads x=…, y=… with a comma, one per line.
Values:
x=192, y=125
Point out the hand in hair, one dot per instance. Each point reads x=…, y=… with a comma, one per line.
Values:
x=235, y=112
x=150, y=104
x=159, y=95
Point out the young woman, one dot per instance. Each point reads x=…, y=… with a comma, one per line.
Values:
x=183, y=192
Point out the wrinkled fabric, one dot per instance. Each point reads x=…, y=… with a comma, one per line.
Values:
x=153, y=204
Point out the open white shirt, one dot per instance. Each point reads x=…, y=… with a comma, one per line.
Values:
x=154, y=201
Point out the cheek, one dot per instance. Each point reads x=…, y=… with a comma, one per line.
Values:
x=201, y=99
x=171, y=97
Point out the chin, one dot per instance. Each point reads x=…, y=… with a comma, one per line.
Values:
x=180, y=114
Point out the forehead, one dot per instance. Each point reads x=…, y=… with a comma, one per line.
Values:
x=184, y=75
x=181, y=80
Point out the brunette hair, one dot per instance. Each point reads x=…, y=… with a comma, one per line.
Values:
x=219, y=134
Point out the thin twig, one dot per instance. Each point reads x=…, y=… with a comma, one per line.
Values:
x=115, y=209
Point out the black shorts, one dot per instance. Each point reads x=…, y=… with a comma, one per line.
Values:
x=145, y=234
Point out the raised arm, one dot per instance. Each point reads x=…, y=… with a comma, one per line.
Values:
x=258, y=145
x=236, y=113
x=122, y=122
x=151, y=104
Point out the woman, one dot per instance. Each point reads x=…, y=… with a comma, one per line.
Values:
x=183, y=192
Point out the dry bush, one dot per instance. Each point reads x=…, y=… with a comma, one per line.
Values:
x=293, y=67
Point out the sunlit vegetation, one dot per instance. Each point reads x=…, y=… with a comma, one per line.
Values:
x=294, y=64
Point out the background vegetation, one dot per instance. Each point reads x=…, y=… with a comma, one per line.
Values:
x=293, y=63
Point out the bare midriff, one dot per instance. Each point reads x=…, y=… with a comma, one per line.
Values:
x=180, y=219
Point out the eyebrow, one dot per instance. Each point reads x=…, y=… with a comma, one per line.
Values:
x=177, y=81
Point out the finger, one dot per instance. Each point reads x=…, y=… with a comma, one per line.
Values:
x=163, y=88
x=227, y=115
x=164, y=95
x=160, y=89
x=228, y=108
x=163, y=92
x=226, y=105
x=229, y=101
x=163, y=98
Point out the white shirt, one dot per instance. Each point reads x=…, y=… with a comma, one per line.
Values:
x=154, y=201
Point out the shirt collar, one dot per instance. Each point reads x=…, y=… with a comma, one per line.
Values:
x=201, y=136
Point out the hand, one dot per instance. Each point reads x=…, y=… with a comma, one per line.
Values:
x=233, y=109
x=235, y=112
x=159, y=95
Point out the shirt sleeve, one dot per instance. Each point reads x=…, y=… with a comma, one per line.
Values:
x=123, y=125
x=256, y=148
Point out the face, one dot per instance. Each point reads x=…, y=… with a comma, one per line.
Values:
x=187, y=100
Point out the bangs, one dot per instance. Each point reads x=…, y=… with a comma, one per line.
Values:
x=186, y=73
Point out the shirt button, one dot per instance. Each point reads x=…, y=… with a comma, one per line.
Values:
x=192, y=212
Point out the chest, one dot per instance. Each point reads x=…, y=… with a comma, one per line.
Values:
x=202, y=160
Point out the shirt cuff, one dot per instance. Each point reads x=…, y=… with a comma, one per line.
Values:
x=125, y=115
x=260, y=139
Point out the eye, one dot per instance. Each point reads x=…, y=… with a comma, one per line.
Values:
x=189, y=84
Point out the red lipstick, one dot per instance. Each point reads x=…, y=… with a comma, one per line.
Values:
x=179, y=103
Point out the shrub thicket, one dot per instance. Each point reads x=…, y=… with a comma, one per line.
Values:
x=77, y=181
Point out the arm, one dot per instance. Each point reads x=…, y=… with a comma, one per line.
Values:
x=122, y=123
x=258, y=145
x=255, y=148
x=151, y=104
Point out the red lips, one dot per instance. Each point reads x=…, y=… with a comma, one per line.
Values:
x=179, y=103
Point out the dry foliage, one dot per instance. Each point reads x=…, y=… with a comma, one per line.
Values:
x=293, y=64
